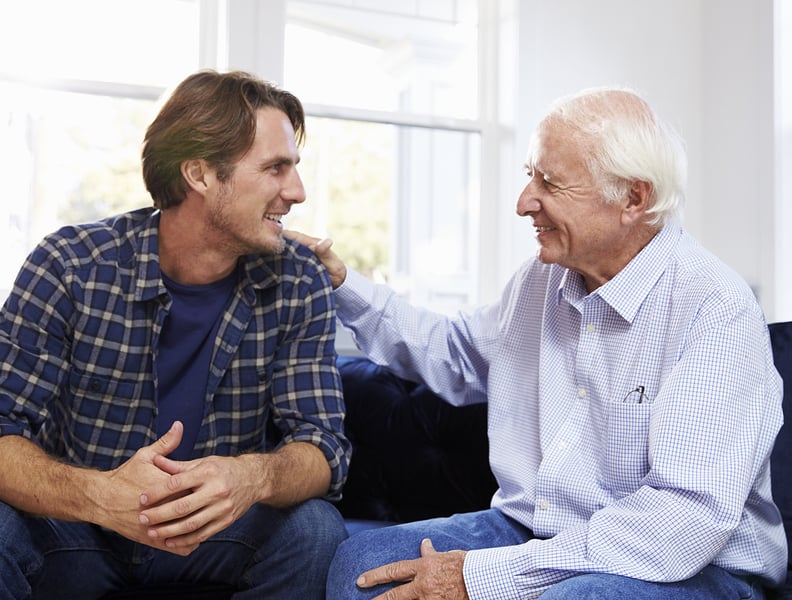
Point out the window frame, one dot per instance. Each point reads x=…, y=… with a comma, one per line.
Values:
x=497, y=30
x=250, y=34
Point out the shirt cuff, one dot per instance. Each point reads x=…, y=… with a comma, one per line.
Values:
x=353, y=296
x=487, y=574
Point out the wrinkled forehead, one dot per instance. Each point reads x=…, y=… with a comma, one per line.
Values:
x=555, y=145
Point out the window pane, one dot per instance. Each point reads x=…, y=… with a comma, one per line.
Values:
x=438, y=220
x=399, y=204
x=146, y=42
x=67, y=158
x=347, y=169
x=416, y=56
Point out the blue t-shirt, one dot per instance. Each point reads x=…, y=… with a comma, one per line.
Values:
x=185, y=352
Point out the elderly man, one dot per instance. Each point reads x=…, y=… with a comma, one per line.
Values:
x=633, y=401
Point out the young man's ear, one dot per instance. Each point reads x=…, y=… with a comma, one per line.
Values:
x=195, y=173
x=639, y=200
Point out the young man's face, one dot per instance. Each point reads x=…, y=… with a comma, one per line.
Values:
x=246, y=211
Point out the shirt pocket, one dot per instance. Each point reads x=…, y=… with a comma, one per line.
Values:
x=102, y=421
x=242, y=407
x=244, y=389
x=91, y=392
x=626, y=446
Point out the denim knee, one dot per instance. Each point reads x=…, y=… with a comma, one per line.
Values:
x=320, y=528
x=293, y=562
x=346, y=566
x=362, y=551
x=19, y=559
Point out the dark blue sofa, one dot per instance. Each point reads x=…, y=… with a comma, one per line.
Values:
x=416, y=457
x=781, y=461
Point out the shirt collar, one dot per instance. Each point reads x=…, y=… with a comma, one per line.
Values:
x=148, y=277
x=629, y=288
x=258, y=269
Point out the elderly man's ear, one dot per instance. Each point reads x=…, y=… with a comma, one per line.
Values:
x=639, y=200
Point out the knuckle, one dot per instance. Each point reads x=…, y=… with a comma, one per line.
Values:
x=183, y=506
x=227, y=506
x=192, y=525
x=392, y=570
x=211, y=469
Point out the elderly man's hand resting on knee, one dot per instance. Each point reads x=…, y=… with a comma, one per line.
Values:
x=433, y=575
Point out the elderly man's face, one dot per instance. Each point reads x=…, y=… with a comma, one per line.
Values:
x=574, y=225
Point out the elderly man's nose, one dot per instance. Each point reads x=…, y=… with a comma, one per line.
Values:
x=527, y=203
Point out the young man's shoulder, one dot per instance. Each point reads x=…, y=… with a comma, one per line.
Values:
x=294, y=261
x=110, y=239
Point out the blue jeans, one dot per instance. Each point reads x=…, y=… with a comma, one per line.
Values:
x=268, y=553
x=489, y=529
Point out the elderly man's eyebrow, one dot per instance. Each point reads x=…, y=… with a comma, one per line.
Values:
x=533, y=170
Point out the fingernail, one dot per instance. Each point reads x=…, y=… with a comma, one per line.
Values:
x=144, y=520
x=361, y=581
x=143, y=499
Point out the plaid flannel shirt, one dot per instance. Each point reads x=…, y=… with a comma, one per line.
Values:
x=79, y=338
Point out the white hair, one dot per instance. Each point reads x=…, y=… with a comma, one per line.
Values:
x=626, y=141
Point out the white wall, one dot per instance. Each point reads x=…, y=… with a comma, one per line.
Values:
x=706, y=66
x=738, y=140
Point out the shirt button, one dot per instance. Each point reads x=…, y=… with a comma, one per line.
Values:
x=581, y=393
x=562, y=445
x=544, y=504
x=591, y=328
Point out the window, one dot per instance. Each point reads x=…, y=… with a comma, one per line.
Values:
x=417, y=57
x=68, y=157
x=392, y=159
x=72, y=117
x=396, y=140
x=145, y=42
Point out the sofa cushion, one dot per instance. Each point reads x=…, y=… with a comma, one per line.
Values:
x=415, y=456
x=781, y=460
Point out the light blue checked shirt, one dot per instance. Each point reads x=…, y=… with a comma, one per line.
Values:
x=654, y=489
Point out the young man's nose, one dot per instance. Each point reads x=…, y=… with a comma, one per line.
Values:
x=294, y=191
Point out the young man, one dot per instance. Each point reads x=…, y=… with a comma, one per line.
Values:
x=633, y=401
x=170, y=408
